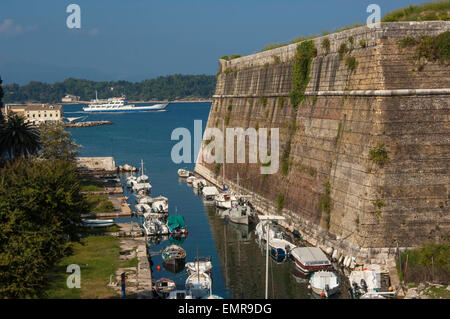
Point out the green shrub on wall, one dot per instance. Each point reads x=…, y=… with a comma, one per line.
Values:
x=326, y=45
x=343, y=49
x=281, y=200
x=351, y=63
x=301, y=68
x=379, y=155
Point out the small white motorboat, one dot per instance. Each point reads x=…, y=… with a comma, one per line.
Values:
x=190, y=179
x=238, y=214
x=160, y=206
x=224, y=200
x=198, y=284
x=183, y=173
x=201, y=265
x=143, y=208
x=324, y=283
x=164, y=286
x=98, y=222
x=155, y=227
x=131, y=180
x=179, y=294
x=209, y=193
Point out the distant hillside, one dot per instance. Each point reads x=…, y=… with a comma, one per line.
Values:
x=162, y=88
x=438, y=10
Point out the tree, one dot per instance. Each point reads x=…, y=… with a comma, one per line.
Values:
x=18, y=138
x=56, y=142
x=40, y=207
x=1, y=106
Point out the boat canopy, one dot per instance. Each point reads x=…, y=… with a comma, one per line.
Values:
x=310, y=256
x=210, y=191
x=175, y=221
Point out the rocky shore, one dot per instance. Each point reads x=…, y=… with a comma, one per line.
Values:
x=88, y=124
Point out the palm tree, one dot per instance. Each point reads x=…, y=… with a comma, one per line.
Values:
x=18, y=138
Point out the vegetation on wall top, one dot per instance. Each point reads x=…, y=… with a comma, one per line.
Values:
x=437, y=10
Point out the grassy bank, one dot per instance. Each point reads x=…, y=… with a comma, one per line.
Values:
x=98, y=258
x=99, y=203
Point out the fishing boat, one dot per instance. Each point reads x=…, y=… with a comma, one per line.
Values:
x=160, y=206
x=183, y=173
x=140, y=184
x=173, y=254
x=177, y=225
x=238, y=213
x=310, y=259
x=179, y=294
x=190, y=179
x=164, y=286
x=120, y=104
x=202, y=264
x=324, y=283
x=209, y=193
x=279, y=247
x=224, y=200
x=155, y=227
x=198, y=284
x=98, y=222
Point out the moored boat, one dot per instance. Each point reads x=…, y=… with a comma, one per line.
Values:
x=200, y=265
x=190, y=179
x=179, y=294
x=324, y=283
x=209, y=193
x=164, y=286
x=198, y=284
x=309, y=259
x=155, y=227
x=183, y=173
x=224, y=200
x=177, y=225
x=173, y=254
x=98, y=222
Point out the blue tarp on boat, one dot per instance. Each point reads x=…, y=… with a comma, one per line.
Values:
x=176, y=221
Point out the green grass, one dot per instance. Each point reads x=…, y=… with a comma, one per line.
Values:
x=99, y=204
x=98, y=258
x=272, y=46
x=426, y=12
x=91, y=186
x=437, y=292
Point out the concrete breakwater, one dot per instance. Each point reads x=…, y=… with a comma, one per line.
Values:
x=88, y=124
x=364, y=90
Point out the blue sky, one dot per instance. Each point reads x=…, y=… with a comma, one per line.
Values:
x=138, y=39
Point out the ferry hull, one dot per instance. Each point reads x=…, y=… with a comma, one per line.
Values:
x=152, y=108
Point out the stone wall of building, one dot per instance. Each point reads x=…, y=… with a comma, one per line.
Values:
x=389, y=98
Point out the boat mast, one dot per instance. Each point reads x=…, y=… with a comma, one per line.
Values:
x=223, y=173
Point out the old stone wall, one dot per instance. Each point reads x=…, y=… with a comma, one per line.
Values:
x=388, y=98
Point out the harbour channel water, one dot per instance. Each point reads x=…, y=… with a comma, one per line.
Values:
x=238, y=260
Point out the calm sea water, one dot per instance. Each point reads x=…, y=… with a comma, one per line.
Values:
x=238, y=261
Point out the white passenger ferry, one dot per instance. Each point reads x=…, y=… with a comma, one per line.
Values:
x=120, y=104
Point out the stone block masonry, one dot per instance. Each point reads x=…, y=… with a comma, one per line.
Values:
x=387, y=99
